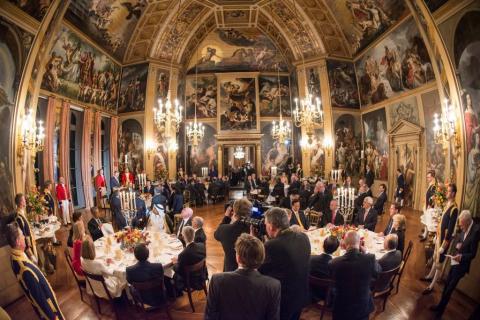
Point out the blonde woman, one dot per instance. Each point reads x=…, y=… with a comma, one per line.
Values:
x=399, y=225
x=78, y=237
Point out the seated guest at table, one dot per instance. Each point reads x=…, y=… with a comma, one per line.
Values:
x=115, y=284
x=319, y=264
x=287, y=259
x=114, y=180
x=249, y=185
x=244, y=293
x=399, y=227
x=465, y=249
x=367, y=217
x=116, y=208
x=157, y=220
x=320, y=199
x=332, y=216
x=77, y=215
x=33, y=282
x=192, y=254
x=287, y=201
x=149, y=188
x=381, y=199
x=392, y=211
x=294, y=185
x=159, y=198
x=392, y=257
x=140, y=220
x=255, y=182
x=145, y=271
x=278, y=191
x=348, y=182
x=187, y=214
x=230, y=229
x=197, y=224
x=353, y=274
x=95, y=224
x=78, y=237
x=298, y=217
x=305, y=193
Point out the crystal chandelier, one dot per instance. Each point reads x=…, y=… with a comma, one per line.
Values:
x=281, y=130
x=195, y=131
x=32, y=135
x=444, y=125
x=166, y=113
x=239, y=153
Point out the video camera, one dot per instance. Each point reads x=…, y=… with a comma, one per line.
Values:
x=256, y=219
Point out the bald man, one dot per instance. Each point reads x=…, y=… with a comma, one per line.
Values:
x=352, y=274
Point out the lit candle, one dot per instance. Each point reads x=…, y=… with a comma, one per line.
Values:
x=362, y=154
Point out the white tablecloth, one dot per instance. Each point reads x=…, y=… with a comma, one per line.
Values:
x=373, y=243
x=47, y=231
x=430, y=219
x=162, y=249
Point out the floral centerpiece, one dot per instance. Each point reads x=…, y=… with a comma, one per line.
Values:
x=340, y=231
x=128, y=238
x=440, y=196
x=36, y=205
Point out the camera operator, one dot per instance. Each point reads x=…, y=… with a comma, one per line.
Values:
x=230, y=229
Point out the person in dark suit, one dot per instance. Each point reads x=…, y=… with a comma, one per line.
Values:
x=319, y=265
x=294, y=185
x=393, y=257
x=332, y=216
x=200, y=236
x=116, y=207
x=245, y=293
x=369, y=177
x=465, y=245
x=177, y=201
x=320, y=199
x=186, y=214
x=278, y=191
x=298, y=217
x=255, y=181
x=287, y=201
x=31, y=279
x=50, y=201
x=353, y=274
x=140, y=220
x=95, y=225
x=115, y=181
x=192, y=254
x=230, y=229
x=149, y=188
x=248, y=185
x=392, y=211
x=432, y=188
x=159, y=198
x=287, y=259
x=145, y=271
x=381, y=199
x=367, y=217
x=400, y=192
x=305, y=193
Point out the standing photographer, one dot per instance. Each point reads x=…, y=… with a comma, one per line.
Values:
x=230, y=229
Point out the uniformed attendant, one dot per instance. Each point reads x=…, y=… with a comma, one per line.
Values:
x=31, y=279
x=429, y=198
x=24, y=225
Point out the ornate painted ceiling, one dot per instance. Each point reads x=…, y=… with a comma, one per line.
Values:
x=133, y=30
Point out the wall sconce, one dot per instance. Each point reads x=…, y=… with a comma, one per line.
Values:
x=172, y=145
x=444, y=128
x=32, y=135
x=328, y=145
x=150, y=147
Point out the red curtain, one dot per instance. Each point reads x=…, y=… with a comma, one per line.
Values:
x=113, y=145
x=86, y=158
x=48, y=164
x=64, y=152
x=97, y=142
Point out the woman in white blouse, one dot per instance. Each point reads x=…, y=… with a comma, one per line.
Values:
x=114, y=283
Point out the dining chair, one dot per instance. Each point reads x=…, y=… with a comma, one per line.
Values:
x=326, y=286
x=383, y=285
x=138, y=288
x=313, y=217
x=95, y=277
x=81, y=283
x=188, y=271
x=406, y=255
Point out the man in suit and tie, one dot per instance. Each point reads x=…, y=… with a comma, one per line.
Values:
x=230, y=229
x=95, y=224
x=186, y=214
x=367, y=217
x=149, y=188
x=249, y=185
x=287, y=201
x=116, y=207
x=319, y=264
x=332, y=216
x=140, y=220
x=115, y=180
x=200, y=236
x=393, y=257
x=287, y=259
x=393, y=210
x=30, y=277
x=145, y=271
x=369, y=177
x=353, y=274
x=466, y=245
x=192, y=253
x=298, y=217
x=245, y=293
x=381, y=199
x=294, y=184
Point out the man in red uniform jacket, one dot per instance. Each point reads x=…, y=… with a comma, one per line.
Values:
x=63, y=198
x=100, y=187
x=127, y=177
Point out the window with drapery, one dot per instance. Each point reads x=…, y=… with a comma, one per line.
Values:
x=75, y=158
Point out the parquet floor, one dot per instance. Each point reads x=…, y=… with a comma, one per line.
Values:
x=409, y=303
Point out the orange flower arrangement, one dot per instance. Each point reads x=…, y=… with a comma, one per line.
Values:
x=340, y=231
x=128, y=238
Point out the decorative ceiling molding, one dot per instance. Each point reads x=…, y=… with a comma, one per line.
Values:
x=196, y=38
x=236, y=16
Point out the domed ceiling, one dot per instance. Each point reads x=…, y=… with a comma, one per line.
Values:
x=134, y=30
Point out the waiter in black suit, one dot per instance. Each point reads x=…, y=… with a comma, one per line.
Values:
x=367, y=217
x=230, y=229
x=369, y=177
x=245, y=293
x=332, y=215
x=432, y=188
x=381, y=199
x=466, y=245
x=400, y=193
x=200, y=236
x=353, y=274
x=95, y=225
x=287, y=258
x=298, y=217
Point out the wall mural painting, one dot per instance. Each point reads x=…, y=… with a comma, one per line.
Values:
x=270, y=96
x=435, y=157
x=236, y=50
x=348, y=143
x=434, y=5
x=467, y=43
x=163, y=82
x=205, y=154
x=313, y=82
x=81, y=72
x=343, y=84
x=238, y=110
x=130, y=146
x=317, y=158
x=365, y=20
x=109, y=22
x=375, y=135
x=398, y=63
x=274, y=154
x=133, y=88
x=35, y=8
x=15, y=44
x=201, y=90
x=404, y=110
x=406, y=159
x=160, y=158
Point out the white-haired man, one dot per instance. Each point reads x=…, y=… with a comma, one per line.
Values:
x=367, y=217
x=197, y=224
